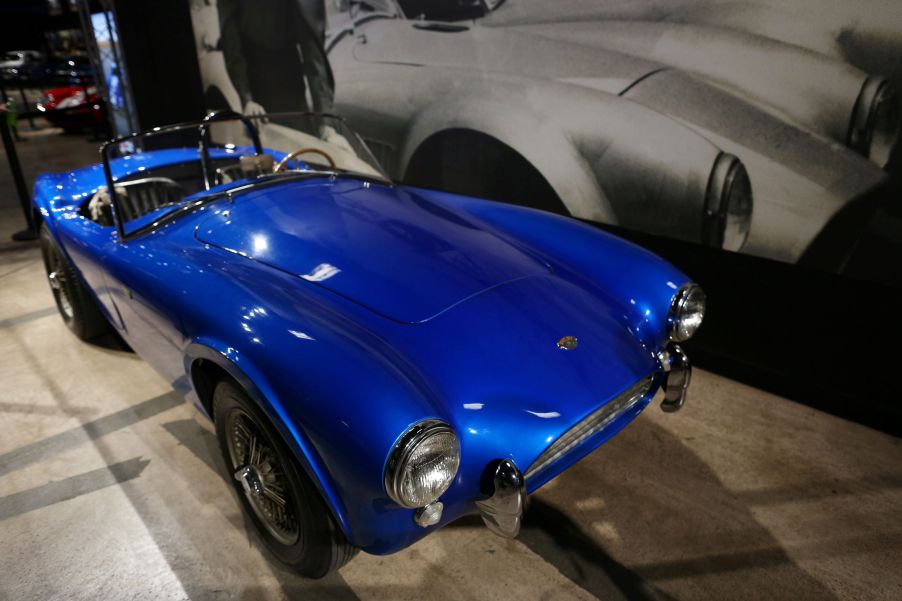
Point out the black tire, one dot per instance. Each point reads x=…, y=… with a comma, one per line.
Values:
x=74, y=301
x=303, y=535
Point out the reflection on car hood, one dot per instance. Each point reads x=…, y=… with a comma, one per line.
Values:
x=400, y=255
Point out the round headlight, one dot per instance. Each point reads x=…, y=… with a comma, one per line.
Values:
x=686, y=312
x=876, y=121
x=423, y=464
x=728, y=206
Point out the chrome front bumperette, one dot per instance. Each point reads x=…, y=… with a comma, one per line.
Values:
x=677, y=372
x=503, y=511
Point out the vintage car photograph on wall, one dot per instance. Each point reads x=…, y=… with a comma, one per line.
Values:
x=377, y=360
x=694, y=130
x=698, y=132
x=371, y=300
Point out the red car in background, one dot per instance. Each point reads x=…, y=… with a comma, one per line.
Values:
x=90, y=114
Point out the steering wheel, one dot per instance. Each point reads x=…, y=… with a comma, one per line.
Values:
x=281, y=166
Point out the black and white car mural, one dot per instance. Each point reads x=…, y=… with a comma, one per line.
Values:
x=702, y=120
x=644, y=124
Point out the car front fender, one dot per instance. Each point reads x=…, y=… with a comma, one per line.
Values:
x=254, y=383
x=609, y=159
x=525, y=130
x=814, y=91
x=326, y=373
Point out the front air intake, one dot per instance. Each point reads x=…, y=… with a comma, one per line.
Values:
x=594, y=423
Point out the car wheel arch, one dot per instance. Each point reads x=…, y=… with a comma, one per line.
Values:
x=205, y=359
x=430, y=165
x=534, y=138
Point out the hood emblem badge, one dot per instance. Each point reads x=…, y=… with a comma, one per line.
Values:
x=567, y=343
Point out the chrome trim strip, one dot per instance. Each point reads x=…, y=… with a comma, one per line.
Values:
x=594, y=423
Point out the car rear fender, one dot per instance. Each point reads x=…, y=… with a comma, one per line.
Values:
x=42, y=204
x=255, y=384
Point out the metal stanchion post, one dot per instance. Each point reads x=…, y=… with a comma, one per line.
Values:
x=16, y=168
x=25, y=105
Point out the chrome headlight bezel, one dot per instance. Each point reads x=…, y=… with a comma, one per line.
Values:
x=397, y=463
x=876, y=124
x=687, y=312
x=728, y=204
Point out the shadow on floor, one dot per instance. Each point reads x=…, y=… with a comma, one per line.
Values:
x=70, y=488
x=647, y=501
x=86, y=432
x=112, y=341
x=204, y=446
x=547, y=532
x=677, y=534
x=563, y=543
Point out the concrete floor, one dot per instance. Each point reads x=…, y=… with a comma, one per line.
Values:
x=108, y=490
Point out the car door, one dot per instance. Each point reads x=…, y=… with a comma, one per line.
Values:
x=85, y=242
x=140, y=278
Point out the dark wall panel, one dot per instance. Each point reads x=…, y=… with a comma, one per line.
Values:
x=824, y=340
x=158, y=46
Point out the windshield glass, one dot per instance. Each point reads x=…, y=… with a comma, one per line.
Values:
x=161, y=171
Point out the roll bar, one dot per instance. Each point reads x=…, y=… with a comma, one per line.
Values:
x=203, y=132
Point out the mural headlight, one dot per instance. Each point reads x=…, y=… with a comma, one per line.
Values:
x=687, y=311
x=422, y=464
x=877, y=121
x=728, y=205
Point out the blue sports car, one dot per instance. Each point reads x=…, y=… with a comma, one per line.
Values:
x=376, y=360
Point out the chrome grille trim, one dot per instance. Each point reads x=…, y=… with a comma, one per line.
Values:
x=595, y=422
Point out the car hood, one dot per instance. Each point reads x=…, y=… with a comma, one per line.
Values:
x=499, y=50
x=380, y=246
x=536, y=390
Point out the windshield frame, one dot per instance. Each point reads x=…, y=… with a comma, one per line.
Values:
x=202, y=129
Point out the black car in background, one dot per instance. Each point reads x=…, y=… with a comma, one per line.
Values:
x=75, y=69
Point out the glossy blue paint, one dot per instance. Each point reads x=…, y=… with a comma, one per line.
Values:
x=386, y=249
x=351, y=310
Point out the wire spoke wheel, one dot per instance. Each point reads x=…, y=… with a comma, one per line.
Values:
x=277, y=496
x=57, y=278
x=256, y=465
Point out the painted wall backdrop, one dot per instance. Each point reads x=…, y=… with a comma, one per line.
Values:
x=767, y=128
